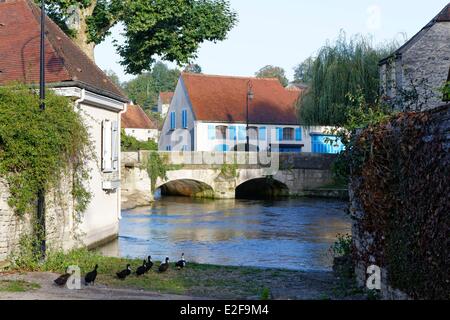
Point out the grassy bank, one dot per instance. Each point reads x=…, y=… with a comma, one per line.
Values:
x=197, y=280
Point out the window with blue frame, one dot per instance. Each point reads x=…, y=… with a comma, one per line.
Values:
x=242, y=133
x=168, y=148
x=232, y=133
x=184, y=119
x=222, y=148
x=262, y=134
x=173, y=122
x=330, y=144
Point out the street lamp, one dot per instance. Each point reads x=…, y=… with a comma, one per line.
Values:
x=250, y=96
x=41, y=191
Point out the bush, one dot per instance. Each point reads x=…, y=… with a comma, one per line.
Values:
x=129, y=143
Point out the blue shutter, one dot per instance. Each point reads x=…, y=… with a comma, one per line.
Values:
x=222, y=148
x=279, y=134
x=184, y=118
x=262, y=133
x=168, y=148
x=232, y=133
x=172, y=120
x=298, y=134
x=211, y=132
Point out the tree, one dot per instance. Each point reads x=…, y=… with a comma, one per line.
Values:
x=170, y=29
x=145, y=88
x=303, y=72
x=114, y=77
x=193, y=68
x=341, y=70
x=273, y=72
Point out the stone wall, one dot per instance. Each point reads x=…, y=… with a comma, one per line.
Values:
x=362, y=239
x=60, y=227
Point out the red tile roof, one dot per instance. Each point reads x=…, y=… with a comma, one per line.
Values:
x=444, y=15
x=136, y=118
x=166, y=97
x=65, y=61
x=224, y=99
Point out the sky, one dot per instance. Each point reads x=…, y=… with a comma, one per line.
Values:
x=286, y=32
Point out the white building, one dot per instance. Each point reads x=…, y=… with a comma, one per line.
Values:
x=164, y=101
x=72, y=74
x=209, y=113
x=137, y=124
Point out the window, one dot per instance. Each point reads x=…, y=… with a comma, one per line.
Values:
x=173, y=122
x=232, y=133
x=279, y=134
x=211, y=132
x=242, y=134
x=184, y=119
x=222, y=148
x=262, y=134
x=253, y=133
x=168, y=148
x=110, y=146
x=185, y=148
x=288, y=134
x=221, y=132
x=298, y=134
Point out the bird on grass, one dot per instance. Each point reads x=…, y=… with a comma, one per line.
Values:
x=149, y=264
x=164, y=266
x=124, y=273
x=142, y=269
x=182, y=263
x=62, y=280
x=91, y=276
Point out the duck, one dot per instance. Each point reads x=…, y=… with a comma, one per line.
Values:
x=124, y=273
x=91, y=276
x=142, y=269
x=62, y=280
x=182, y=263
x=164, y=266
x=149, y=264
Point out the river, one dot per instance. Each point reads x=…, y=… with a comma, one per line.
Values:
x=292, y=234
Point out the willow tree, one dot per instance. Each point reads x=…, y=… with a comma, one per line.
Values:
x=340, y=71
x=171, y=30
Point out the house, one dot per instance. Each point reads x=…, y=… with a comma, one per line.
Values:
x=164, y=101
x=137, y=124
x=209, y=113
x=70, y=73
x=412, y=76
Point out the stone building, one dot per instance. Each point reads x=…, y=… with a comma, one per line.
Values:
x=411, y=78
x=70, y=73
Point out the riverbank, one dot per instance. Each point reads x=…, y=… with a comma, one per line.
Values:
x=196, y=281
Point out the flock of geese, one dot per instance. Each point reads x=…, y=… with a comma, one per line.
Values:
x=146, y=266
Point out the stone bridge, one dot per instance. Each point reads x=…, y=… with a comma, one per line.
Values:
x=225, y=175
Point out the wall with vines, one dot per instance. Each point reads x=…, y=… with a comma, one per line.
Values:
x=400, y=187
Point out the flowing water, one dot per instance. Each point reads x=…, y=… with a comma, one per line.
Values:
x=292, y=234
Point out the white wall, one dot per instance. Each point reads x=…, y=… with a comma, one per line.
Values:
x=163, y=108
x=143, y=134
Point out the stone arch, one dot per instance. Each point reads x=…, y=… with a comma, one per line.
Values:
x=186, y=188
x=261, y=188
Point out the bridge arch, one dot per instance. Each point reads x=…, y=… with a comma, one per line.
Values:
x=261, y=188
x=186, y=188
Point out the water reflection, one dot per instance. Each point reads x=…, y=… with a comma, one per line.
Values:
x=294, y=234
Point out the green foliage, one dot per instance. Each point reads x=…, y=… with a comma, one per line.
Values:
x=38, y=148
x=156, y=168
x=446, y=91
x=342, y=69
x=129, y=143
x=265, y=294
x=145, y=88
x=17, y=286
x=273, y=72
x=114, y=77
x=193, y=68
x=172, y=30
x=343, y=246
x=229, y=170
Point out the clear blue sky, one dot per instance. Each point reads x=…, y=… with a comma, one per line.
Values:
x=285, y=32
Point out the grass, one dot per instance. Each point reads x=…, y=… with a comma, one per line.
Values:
x=199, y=280
x=17, y=286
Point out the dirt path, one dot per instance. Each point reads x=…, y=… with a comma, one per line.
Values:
x=49, y=291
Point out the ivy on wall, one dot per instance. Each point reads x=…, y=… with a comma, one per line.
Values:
x=38, y=148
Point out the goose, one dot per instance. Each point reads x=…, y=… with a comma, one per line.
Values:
x=149, y=264
x=164, y=266
x=62, y=280
x=124, y=273
x=182, y=263
x=91, y=276
x=142, y=269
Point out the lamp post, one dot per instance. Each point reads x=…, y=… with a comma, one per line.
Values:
x=41, y=192
x=250, y=96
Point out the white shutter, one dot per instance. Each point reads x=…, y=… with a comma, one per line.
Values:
x=106, y=146
x=115, y=145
